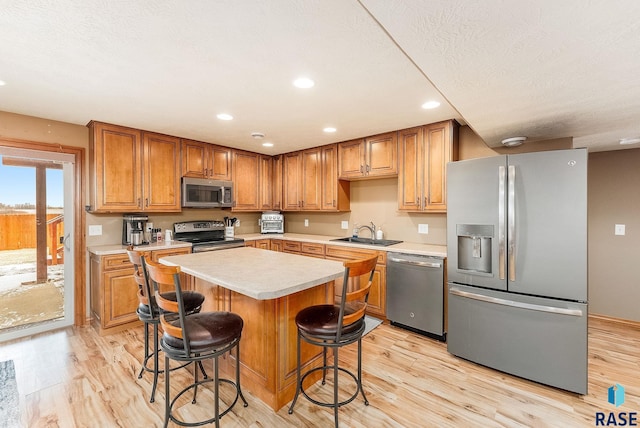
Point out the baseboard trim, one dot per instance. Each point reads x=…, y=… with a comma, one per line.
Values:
x=620, y=321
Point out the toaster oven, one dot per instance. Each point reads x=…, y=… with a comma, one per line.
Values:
x=272, y=222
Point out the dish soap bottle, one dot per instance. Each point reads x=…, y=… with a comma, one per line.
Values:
x=379, y=234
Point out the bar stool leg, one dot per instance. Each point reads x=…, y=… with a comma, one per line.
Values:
x=366, y=402
x=295, y=397
x=335, y=385
x=167, y=396
x=155, y=362
x=238, y=375
x=146, y=349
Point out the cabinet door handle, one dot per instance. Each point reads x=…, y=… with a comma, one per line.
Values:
x=139, y=204
x=368, y=169
x=206, y=172
x=361, y=168
x=146, y=201
x=334, y=202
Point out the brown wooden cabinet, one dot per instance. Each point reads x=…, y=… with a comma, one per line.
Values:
x=252, y=177
x=113, y=291
x=302, y=180
x=377, y=303
x=263, y=244
x=424, y=153
x=131, y=170
x=335, y=193
x=276, y=182
x=310, y=181
x=371, y=157
x=204, y=160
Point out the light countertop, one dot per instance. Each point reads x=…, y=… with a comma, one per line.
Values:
x=404, y=247
x=106, y=250
x=257, y=273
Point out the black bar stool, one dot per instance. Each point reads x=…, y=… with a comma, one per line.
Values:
x=194, y=338
x=149, y=313
x=334, y=326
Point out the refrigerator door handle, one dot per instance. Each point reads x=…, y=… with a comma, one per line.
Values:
x=501, y=221
x=511, y=217
x=520, y=305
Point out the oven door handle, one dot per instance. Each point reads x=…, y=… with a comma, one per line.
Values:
x=203, y=248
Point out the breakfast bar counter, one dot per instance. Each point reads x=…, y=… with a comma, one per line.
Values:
x=267, y=289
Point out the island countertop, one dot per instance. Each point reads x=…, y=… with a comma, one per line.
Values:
x=256, y=273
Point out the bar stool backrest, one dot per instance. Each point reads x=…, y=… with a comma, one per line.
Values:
x=169, y=276
x=138, y=259
x=355, y=292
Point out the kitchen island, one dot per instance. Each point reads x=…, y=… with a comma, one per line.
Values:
x=267, y=289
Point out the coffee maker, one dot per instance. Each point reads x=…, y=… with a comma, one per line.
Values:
x=133, y=228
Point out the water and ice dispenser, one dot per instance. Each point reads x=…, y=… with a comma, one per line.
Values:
x=474, y=248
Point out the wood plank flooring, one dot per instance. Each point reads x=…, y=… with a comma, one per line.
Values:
x=75, y=378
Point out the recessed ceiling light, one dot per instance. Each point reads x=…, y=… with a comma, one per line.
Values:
x=267, y=144
x=2, y=83
x=625, y=141
x=329, y=129
x=303, y=83
x=513, y=141
x=224, y=116
x=430, y=104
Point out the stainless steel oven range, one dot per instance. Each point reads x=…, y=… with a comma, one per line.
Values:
x=205, y=235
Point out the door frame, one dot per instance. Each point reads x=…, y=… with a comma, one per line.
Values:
x=79, y=286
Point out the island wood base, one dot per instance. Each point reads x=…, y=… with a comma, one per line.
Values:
x=268, y=344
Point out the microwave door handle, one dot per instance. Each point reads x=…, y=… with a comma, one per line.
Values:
x=221, y=198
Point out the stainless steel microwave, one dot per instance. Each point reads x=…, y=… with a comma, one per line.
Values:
x=203, y=193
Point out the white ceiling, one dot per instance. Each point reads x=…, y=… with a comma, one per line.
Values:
x=544, y=69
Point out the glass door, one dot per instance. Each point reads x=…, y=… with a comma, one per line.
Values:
x=36, y=242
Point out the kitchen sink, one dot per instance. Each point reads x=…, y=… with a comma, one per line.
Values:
x=368, y=241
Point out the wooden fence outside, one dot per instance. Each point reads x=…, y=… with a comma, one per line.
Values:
x=18, y=230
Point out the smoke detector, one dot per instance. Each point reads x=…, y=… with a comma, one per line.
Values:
x=513, y=141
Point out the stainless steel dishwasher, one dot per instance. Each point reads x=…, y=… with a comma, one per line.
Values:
x=415, y=293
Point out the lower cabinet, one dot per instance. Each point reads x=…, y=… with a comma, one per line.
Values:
x=377, y=295
x=114, y=293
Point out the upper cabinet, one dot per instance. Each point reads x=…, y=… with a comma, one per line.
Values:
x=335, y=193
x=371, y=157
x=132, y=170
x=310, y=181
x=424, y=152
x=252, y=181
x=203, y=160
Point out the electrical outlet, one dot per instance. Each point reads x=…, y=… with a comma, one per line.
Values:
x=344, y=224
x=237, y=223
x=423, y=228
x=306, y=222
x=619, y=229
x=95, y=230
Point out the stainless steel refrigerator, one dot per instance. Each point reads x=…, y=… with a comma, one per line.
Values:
x=517, y=265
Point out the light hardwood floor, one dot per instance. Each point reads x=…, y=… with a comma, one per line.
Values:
x=75, y=378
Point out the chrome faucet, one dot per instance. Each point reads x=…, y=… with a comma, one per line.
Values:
x=371, y=228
